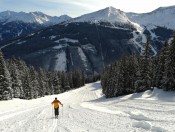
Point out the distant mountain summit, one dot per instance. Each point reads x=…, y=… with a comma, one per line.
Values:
x=32, y=17
x=109, y=14
x=15, y=24
x=163, y=17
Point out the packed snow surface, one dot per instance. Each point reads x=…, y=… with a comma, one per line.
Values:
x=86, y=109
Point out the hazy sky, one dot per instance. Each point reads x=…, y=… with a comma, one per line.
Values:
x=76, y=8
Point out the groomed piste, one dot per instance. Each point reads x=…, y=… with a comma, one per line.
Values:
x=86, y=109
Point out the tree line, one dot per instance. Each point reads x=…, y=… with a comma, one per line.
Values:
x=137, y=74
x=19, y=80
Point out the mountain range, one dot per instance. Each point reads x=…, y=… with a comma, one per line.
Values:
x=14, y=24
x=91, y=41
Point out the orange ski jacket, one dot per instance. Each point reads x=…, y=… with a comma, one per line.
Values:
x=56, y=103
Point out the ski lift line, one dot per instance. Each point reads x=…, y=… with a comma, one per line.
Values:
x=134, y=42
x=137, y=45
x=100, y=45
x=2, y=47
x=155, y=53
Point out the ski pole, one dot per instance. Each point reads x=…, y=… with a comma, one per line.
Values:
x=62, y=111
x=52, y=111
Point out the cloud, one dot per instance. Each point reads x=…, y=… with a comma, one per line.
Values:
x=87, y=4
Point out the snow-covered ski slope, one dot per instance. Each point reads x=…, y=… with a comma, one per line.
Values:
x=87, y=110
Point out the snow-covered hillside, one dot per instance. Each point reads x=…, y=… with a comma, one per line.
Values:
x=110, y=15
x=163, y=16
x=32, y=17
x=86, y=109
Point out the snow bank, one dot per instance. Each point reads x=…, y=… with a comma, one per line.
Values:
x=137, y=115
x=142, y=124
x=158, y=94
x=148, y=126
x=102, y=109
x=158, y=129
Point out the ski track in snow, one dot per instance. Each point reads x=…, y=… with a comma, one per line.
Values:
x=87, y=110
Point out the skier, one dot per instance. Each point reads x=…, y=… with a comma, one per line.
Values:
x=56, y=106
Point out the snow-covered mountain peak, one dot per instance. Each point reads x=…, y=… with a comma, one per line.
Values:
x=38, y=13
x=169, y=8
x=65, y=17
x=112, y=10
x=163, y=16
x=32, y=17
x=109, y=14
x=6, y=13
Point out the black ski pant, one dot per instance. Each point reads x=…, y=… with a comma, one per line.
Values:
x=56, y=111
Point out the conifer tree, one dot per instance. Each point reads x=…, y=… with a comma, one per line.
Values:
x=160, y=65
x=16, y=82
x=123, y=76
x=169, y=75
x=27, y=86
x=70, y=78
x=42, y=82
x=19, y=80
x=104, y=79
x=82, y=78
x=109, y=83
x=65, y=82
x=56, y=83
x=22, y=69
x=138, y=74
x=144, y=82
x=49, y=88
x=133, y=68
x=34, y=82
x=5, y=80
